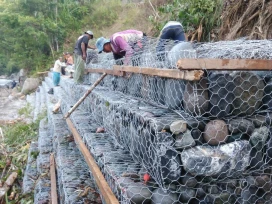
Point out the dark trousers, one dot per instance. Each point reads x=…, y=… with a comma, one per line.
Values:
x=175, y=33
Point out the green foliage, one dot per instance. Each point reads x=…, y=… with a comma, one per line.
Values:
x=192, y=13
x=103, y=16
x=33, y=32
x=25, y=111
x=16, y=144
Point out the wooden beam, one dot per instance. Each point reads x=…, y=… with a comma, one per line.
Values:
x=107, y=71
x=101, y=182
x=224, y=64
x=54, y=195
x=193, y=75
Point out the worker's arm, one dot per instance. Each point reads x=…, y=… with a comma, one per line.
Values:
x=83, y=49
x=124, y=46
x=91, y=47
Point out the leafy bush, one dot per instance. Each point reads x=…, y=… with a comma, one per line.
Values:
x=194, y=14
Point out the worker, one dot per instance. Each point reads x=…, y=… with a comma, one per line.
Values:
x=122, y=44
x=57, y=70
x=173, y=30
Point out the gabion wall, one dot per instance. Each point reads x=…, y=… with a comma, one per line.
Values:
x=207, y=141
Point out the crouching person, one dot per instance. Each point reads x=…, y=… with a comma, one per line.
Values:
x=124, y=45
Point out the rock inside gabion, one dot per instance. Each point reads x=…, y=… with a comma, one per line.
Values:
x=216, y=131
x=225, y=160
x=249, y=91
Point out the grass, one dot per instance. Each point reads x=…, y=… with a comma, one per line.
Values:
x=116, y=16
x=14, y=149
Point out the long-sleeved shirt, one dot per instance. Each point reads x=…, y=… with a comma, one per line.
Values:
x=121, y=43
x=57, y=66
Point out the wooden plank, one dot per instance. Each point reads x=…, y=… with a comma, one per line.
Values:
x=102, y=184
x=54, y=195
x=107, y=71
x=193, y=75
x=224, y=64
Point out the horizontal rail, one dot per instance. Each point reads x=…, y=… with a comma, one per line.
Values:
x=224, y=64
x=193, y=75
x=102, y=184
x=107, y=71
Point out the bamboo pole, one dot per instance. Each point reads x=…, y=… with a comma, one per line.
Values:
x=54, y=195
x=101, y=182
x=8, y=183
x=84, y=96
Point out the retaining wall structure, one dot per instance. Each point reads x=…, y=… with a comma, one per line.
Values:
x=179, y=141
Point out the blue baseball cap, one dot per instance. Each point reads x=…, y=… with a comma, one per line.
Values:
x=100, y=43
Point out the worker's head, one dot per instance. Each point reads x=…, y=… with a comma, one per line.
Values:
x=90, y=34
x=103, y=44
x=60, y=58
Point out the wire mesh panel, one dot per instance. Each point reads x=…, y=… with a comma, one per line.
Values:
x=178, y=141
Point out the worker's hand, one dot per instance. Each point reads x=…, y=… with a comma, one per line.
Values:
x=84, y=57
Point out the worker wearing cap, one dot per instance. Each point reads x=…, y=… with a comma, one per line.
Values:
x=122, y=44
x=80, y=54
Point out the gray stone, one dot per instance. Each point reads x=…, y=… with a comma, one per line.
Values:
x=138, y=193
x=123, y=182
x=256, y=160
x=185, y=194
x=174, y=90
x=258, y=120
x=197, y=135
x=220, y=198
x=248, y=93
x=226, y=160
x=221, y=95
x=236, y=137
x=170, y=164
x=268, y=151
x=135, y=85
x=156, y=89
x=180, y=50
x=179, y=126
x=240, y=125
x=200, y=193
x=188, y=180
x=259, y=137
x=267, y=99
x=30, y=85
x=159, y=196
x=184, y=140
x=216, y=131
x=196, y=97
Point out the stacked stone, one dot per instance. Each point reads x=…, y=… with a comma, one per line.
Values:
x=42, y=185
x=37, y=105
x=231, y=135
x=31, y=174
x=74, y=183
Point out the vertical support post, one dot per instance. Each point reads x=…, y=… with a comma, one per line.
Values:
x=54, y=195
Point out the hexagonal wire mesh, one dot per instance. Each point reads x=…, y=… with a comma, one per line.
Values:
x=207, y=141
